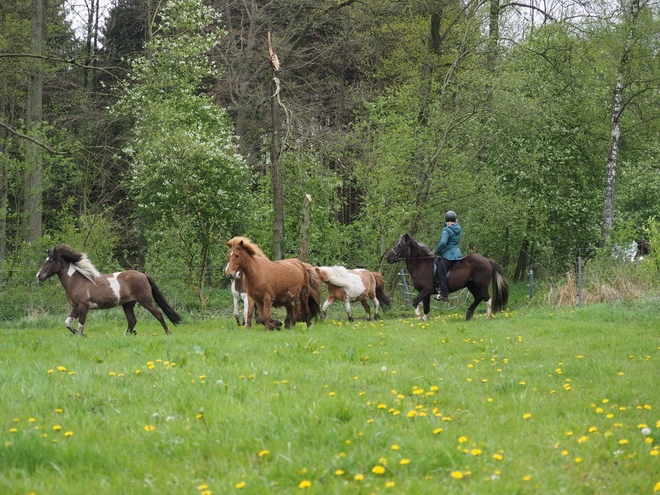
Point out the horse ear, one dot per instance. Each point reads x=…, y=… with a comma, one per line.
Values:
x=241, y=243
x=228, y=244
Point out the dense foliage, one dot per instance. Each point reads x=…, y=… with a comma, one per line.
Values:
x=538, y=126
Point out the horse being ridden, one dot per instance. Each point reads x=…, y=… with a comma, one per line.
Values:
x=87, y=289
x=475, y=272
x=353, y=285
x=289, y=283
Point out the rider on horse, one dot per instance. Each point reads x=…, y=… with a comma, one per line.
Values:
x=448, y=253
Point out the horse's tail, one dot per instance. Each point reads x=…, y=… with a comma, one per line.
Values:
x=173, y=316
x=314, y=299
x=500, y=288
x=380, y=290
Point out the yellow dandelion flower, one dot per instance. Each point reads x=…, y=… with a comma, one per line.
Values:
x=404, y=461
x=462, y=439
x=57, y=427
x=578, y=459
x=390, y=484
x=395, y=447
x=304, y=484
x=582, y=439
x=61, y=368
x=411, y=414
x=240, y=485
x=149, y=428
x=359, y=477
x=68, y=434
x=475, y=452
x=498, y=457
x=527, y=478
x=623, y=441
x=527, y=416
x=378, y=470
x=206, y=492
x=457, y=475
x=339, y=472
x=202, y=487
x=263, y=453
x=437, y=430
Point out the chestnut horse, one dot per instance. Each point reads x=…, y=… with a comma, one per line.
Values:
x=289, y=283
x=475, y=272
x=353, y=285
x=87, y=289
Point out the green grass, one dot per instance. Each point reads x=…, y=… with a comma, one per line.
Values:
x=535, y=401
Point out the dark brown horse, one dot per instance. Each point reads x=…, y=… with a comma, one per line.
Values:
x=475, y=272
x=87, y=289
x=289, y=283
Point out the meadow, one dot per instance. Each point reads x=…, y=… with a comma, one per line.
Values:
x=537, y=400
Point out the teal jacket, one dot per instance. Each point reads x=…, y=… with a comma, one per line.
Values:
x=448, y=245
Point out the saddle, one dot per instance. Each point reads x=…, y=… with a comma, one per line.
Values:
x=436, y=265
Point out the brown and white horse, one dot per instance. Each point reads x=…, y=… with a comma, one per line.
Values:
x=87, y=289
x=289, y=283
x=353, y=285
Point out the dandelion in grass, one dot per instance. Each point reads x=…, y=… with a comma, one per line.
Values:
x=475, y=452
x=583, y=439
x=395, y=447
x=378, y=470
x=240, y=485
x=304, y=484
x=623, y=441
x=457, y=475
x=462, y=439
x=404, y=461
x=437, y=430
x=390, y=484
x=339, y=472
x=68, y=434
x=202, y=487
x=498, y=457
x=149, y=428
x=61, y=368
x=358, y=477
x=527, y=416
x=263, y=453
x=526, y=477
x=57, y=427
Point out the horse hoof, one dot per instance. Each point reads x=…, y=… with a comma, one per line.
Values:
x=468, y=315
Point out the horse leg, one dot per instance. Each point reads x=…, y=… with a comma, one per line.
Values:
x=349, y=310
x=153, y=309
x=237, y=312
x=264, y=313
x=73, y=315
x=248, y=310
x=470, y=311
x=246, y=306
x=82, y=312
x=376, y=308
x=367, y=309
x=326, y=305
x=130, y=316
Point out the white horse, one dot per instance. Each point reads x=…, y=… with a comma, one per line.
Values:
x=239, y=294
x=353, y=285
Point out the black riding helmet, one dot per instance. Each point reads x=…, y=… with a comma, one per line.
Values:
x=450, y=216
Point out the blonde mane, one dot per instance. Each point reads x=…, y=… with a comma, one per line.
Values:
x=86, y=268
x=247, y=242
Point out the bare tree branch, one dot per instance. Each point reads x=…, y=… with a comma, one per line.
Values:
x=33, y=140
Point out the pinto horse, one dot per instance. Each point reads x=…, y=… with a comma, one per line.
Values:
x=475, y=272
x=238, y=293
x=289, y=283
x=353, y=285
x=87, y=289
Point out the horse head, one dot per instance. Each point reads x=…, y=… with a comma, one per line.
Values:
x=399, y=251
x=323, y=275
x=51, y=266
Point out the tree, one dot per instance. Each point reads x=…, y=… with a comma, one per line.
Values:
x=187, y=180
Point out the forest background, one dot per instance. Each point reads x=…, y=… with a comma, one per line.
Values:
x=148, y=132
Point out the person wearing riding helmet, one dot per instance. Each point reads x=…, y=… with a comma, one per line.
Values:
x=448, y=253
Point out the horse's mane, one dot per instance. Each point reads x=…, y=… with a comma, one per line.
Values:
x=339, y=276
x=79, y=262
x=419, y=248
x=249, y=246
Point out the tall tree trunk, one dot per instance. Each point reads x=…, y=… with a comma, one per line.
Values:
x=305, y=228
x=615, y=126
x=34, y=182
x=276, y=172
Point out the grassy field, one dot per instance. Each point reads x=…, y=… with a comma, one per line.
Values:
x=535, y=401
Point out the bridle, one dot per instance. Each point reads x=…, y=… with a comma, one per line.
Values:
x=396, y=251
